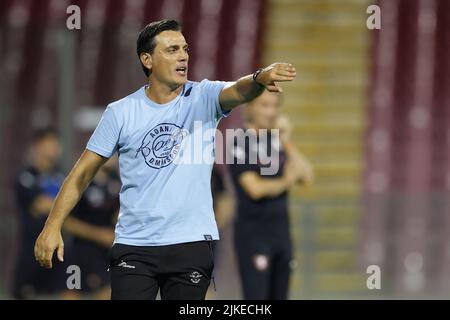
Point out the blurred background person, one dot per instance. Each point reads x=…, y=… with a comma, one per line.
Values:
x=262, y=231
x=92, y=226
x=35, y=187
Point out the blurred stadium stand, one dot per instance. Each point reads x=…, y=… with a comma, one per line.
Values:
x=407, y=178
x=329, y=44
x=371, y=110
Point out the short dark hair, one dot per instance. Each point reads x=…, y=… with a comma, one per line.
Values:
x=146, y=40
x=43, y=133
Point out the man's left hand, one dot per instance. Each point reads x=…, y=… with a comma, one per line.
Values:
x=276, y=72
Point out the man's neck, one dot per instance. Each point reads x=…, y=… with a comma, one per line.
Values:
x=251, y=125
x=161, y=93
x=42, y=165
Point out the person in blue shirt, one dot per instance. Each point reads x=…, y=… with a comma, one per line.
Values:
x=166, y=221
x=35, y=187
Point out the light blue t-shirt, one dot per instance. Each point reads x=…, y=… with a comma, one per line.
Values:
x=166, y=153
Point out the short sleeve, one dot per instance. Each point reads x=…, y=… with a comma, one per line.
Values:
x=210, y=93
x=105, y=138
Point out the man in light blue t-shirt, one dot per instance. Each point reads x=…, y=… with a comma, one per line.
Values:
x=164, y=136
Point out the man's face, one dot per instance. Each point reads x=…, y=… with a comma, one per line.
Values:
x=49, y=148
x=263, y=111
x=170, y=59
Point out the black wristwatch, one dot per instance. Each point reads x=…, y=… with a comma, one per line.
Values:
x=255, y=75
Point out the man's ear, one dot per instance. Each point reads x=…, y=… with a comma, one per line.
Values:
x=146, y=60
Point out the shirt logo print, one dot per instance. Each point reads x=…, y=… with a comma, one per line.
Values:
x=162, y=144
x=195, y=277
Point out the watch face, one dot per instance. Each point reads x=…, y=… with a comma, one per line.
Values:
x=255, y=75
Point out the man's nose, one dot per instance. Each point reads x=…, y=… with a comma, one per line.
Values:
x=184, y=56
